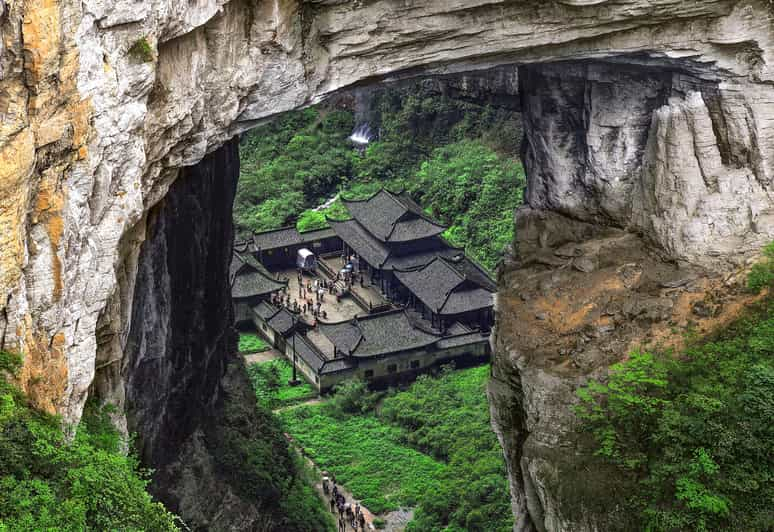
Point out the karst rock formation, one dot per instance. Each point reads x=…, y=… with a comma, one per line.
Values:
x=649, y=149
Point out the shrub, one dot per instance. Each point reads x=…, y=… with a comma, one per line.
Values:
x=270, y=383
x=142, y=50
x=694, y=430
x=762, y=274
x=251, y=343
x=49, y=483
x=311, y=220
x=352, y=397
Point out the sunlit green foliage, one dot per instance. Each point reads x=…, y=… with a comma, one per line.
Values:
x=430, y=446
x=48, y=483
x=366, y=455
x=466, y=151
x=448, y=418
x=762, y=274
x=289, y=164
x=270, y=382
x=471, y=188
x=696, y=431
x=251, y=343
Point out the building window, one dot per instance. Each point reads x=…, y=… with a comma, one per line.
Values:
x=369, y=373
x=392, y=368
x=414, y=364
x=317, y=379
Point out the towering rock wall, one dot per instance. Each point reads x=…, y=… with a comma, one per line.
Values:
x=645, y=118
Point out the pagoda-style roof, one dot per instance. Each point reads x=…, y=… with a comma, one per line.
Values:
x=250, y=279
x=369, y=248
x=445, y=288
x=377, y=335
x=393, y=218
x=436, y=248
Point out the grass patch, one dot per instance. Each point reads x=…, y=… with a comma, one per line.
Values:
x=430, y=447
x=270, y=382
x=251, y=343
x=366, y=455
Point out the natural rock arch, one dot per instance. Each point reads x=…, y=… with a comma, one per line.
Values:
x=653, y=117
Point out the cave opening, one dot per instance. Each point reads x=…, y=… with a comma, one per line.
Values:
x=594, y=139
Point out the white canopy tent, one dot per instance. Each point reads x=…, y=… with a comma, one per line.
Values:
x=306, y=260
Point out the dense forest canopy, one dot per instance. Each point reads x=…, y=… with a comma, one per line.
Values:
x=456, y=158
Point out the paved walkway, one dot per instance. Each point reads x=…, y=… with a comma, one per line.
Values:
x=368, y=292
x=343, y=310
x=263, y=356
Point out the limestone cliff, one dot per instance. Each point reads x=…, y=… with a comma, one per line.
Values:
x=651, y=120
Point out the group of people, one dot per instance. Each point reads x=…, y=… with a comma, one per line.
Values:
x=348, y=515
x=312, y=295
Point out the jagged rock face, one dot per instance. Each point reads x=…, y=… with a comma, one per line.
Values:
x=182, y=318
x=658, y=120
x=667, y=153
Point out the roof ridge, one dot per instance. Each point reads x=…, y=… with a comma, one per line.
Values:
x=311, y=346
x=283, y=228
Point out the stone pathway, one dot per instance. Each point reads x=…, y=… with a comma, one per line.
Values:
x=395, y=521
x=263, y=356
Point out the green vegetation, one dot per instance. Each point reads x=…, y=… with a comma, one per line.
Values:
x=50, y=483
x=469, y=187
x=250, y=451
x=270, y=382
x=366, y=455
x=448, y=418
x=762, y=274
x=251, y=343
x=695, y=431
x=456, y=158
x=289, y=165
x=142, y=50
x=430, y=446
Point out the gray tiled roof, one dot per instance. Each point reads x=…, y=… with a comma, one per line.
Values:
x=436, y=248
x=461, y=301
x=444, y=288
x=265, y=310
x=393, y=218
x=282, y=321
x=306, y=352
x=251, y=279
x=474, y=272
x=286, y=236
x=338, y=364
x=463, y=339
x=317, y=234
x=378, y=334
x=370, y=249
x=277, y=238
x=433, y=283
x=345, y=336
x=389, y=332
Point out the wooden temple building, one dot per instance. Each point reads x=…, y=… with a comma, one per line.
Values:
x=401, y=249
x=436, y=305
